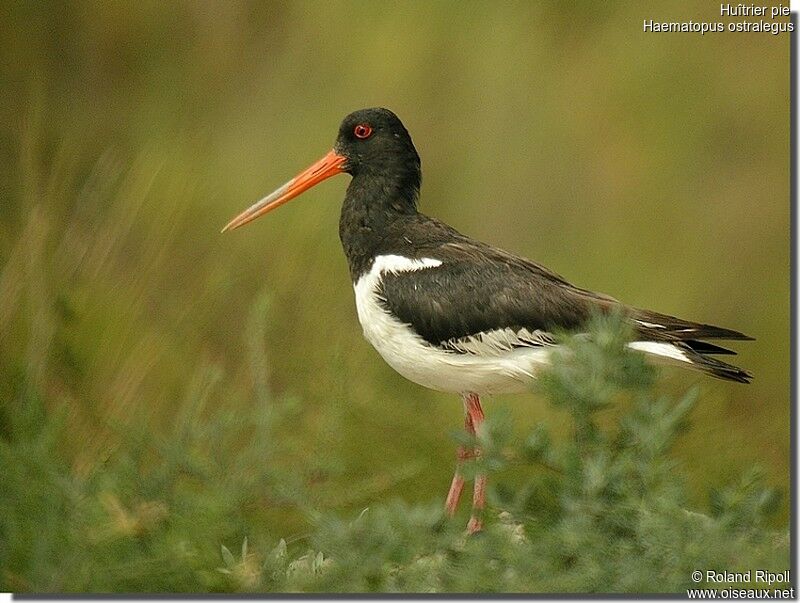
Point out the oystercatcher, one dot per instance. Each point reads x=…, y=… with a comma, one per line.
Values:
x=451, y=313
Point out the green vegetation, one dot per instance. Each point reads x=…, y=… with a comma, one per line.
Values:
x=606, y=510
x=165, y=390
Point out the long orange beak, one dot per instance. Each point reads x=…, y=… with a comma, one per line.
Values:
x=330, y=165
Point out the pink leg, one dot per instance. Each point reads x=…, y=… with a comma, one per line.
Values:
x=475, y=413
x=472, y=421
x=456, y=486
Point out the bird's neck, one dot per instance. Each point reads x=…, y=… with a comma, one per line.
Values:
x=374, y=201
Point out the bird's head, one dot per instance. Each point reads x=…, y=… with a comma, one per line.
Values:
x=375, y=141
x=372, y=143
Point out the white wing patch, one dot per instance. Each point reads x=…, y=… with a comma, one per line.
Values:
x=650, y=325
x=664, y=350
x=498, y=341
x=398, y=263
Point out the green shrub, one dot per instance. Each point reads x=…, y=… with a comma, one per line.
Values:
x=604, y=510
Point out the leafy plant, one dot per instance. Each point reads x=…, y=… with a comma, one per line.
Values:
x=604, y=510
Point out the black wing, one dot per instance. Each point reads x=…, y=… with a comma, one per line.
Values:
x=479, y=288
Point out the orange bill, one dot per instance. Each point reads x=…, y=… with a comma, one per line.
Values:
x=330, y=165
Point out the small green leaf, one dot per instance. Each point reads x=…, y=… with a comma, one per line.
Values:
x=227, y=556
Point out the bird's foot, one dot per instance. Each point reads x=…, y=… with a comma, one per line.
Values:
x=474, y=525
x=478, y=503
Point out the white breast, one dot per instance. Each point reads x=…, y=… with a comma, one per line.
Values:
x=486, y=369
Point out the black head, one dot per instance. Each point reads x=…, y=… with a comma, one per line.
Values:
x=375, y=141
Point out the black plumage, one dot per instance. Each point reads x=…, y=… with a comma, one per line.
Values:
x=477, y=288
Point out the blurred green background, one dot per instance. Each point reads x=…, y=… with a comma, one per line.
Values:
x=653, y=167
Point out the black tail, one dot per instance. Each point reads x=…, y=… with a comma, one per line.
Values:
x=703, y=347
x=688, y=337
x=677, y=328
x=712, y=366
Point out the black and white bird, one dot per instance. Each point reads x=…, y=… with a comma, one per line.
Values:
x=451, y=313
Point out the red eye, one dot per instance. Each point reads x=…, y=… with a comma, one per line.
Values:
x=362, y=131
